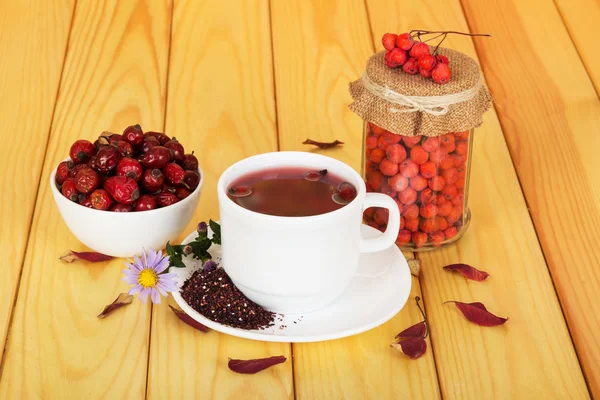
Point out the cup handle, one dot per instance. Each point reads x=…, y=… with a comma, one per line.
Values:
x=391, y=232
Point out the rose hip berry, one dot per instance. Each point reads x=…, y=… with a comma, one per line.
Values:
x=63, y=171
x=428, y=169
x=411, y=141
x=347, y=191
x=165, y=198
x=444, y=209
x=395, y=152
x=190, y=162
x=398, y=57
x=377, y=155
x=100, y=199
x=418, y=50
x=404, y=236
x=407, y=196
x=124, y=148
x=431, y=144
x=437, y=238
x=123, y=189
x=411, y=224
x=404, y=41
x=69, y=189
x=81, y=151
x=419, y=239
x=133, y=135
x=389, y=41
x=192, y=179
x=425, y=73
x=114, y=139
x=450, y=175
x=152, y=180
x=409, y=169
x=388, y=168
x=173, y=174
x=87, y=180
x=156, y=157
x=411, y=66
x=450, y=232
x=437, y=183
x=181, y=192
x=118, y=207
x=107, y=159
x=428, y=210
x=427, y=62
x=418, y=183
x=146, y=202
x=178, y=151
x=398, y=182
x=86, y=202
x=149, y=142
x=441, y=73
x=130, y=168
x=381, y=216
x=162, y=138
x=411, y=211
x=418, y=155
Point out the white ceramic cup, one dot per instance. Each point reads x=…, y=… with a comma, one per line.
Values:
x=297, y=264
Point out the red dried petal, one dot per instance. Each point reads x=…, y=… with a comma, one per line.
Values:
x=254, y=366
x=412, y=347
x=188, y=320
x=478, y=314
x=122, y=300
x=468, y=272
x=418, y=330
x=69, y=256
x=323, y=145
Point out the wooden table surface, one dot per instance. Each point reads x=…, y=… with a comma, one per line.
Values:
x=233, y=79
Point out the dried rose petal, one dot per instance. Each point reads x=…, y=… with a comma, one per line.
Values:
x=69, y=256
x=418, y=330
x=478, y=314
x=323, y=145
x=122, y=300
x=468, y=272
x=414, y=265
x=188, y=320
x=412, y=347
x=254, y=366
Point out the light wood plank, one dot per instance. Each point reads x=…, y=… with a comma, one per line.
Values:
x=33, y=44
x=550, y=115
x=115, y=75
x=319, y=48
x=220, y=104
x=581, y=19
x=532, y=355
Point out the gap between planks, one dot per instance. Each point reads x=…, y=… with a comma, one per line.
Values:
x=537, y=236
x=37, y=192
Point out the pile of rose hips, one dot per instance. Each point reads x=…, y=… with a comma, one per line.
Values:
x=415, y=58
x=425, y=176
x=134, y=171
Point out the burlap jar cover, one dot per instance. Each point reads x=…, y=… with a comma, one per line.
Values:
x=412, y=105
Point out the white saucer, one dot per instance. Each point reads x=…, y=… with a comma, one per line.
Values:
x=379, y=290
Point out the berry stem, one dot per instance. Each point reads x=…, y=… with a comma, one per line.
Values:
x=424, y=32
x=417, y=299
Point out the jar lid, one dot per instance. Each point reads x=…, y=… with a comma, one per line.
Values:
x=412, y=105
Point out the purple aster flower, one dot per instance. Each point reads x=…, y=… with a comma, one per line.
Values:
x=146, y=276
x=202, y=227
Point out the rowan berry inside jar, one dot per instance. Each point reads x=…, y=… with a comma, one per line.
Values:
x=417, y=147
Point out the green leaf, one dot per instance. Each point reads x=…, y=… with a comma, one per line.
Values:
x=216, y=228
x=170, y=249
x=175, y=261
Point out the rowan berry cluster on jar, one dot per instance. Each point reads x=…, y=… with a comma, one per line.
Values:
x=425, y=176
x=133, y=171
x=415, y=58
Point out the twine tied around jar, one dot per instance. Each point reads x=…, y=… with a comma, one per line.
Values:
x=433, y=105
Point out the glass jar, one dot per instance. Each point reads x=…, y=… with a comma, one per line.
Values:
x=428, y=177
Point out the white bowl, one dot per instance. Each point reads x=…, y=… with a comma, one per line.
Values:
x=125, y=234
